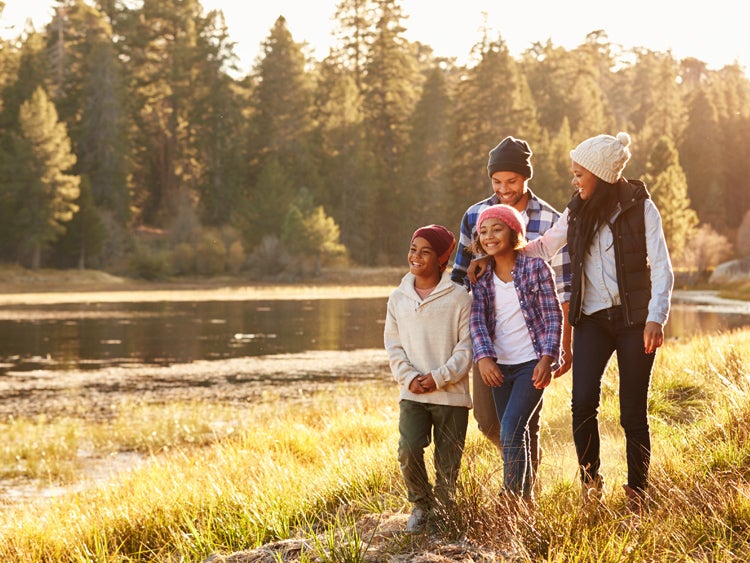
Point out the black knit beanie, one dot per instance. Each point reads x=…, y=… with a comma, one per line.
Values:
x=512, y=155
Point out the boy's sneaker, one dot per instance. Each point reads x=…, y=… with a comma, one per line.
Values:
x=417, y=520
x=592, y=492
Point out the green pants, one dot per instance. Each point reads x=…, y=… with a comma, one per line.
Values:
x=418, y=423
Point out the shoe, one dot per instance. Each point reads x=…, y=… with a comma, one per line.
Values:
x=592, y=491
x=417, y=520
x=635, y=500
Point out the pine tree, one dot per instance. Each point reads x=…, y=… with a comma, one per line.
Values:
x=47, y=192
x=701, y=155
x=280, y=153
x=668, y=185
x=355, y=19
x=492, y=101
x=657, y=108
x=345, y=162
x=168, y=44
x=89, y=93
x=392, y=87
x=427, y=158
x=281, y=121
x=85, y=234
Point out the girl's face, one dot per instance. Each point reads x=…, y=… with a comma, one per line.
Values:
x=423, y=260
x=584, y=181
x=495, y=237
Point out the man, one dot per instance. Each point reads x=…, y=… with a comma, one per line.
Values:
x=509, y=168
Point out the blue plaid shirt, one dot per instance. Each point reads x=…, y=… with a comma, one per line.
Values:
x=537, y=297
x=540, y=216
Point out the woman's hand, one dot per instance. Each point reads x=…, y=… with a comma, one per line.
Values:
x=653, y=337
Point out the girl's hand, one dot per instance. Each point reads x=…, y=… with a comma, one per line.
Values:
x=542, y=375
x=490, y=372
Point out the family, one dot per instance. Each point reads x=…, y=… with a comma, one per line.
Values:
x=532, y=293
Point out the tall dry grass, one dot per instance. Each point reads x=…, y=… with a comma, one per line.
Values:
x=220, y=481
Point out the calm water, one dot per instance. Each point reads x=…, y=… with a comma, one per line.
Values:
x=58, y=337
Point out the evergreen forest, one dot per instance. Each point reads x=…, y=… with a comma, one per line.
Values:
x=132, y=142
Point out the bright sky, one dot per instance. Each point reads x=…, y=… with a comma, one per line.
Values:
x=715, y=33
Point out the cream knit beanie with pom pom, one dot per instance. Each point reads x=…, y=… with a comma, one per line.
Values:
x=604, y=156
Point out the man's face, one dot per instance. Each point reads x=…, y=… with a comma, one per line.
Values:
x=510, y=188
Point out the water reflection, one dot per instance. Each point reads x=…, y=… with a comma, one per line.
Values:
x=688, y=320
x=96, y=335
x=59, y=337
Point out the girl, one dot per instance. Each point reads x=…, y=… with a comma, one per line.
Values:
x=516, y=329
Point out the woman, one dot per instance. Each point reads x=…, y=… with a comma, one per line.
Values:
x=620, y=297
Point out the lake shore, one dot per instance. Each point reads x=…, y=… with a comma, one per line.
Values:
x=27, y=287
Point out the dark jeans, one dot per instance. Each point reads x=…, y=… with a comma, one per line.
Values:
x=417, y=423
x=595, y=338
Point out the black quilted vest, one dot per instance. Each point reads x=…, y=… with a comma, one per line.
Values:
x=633, y=270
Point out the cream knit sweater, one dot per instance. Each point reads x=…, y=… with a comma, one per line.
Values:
x=430, y=336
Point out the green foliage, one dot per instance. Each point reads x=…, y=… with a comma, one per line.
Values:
x=183, y=258
x=85, y=235
x=309, y=233
x=382, y=133
x=47, y=192
x=668, y=186
x=210, y=254
x=147, y=262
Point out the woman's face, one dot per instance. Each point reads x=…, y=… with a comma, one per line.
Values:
x=584, y=181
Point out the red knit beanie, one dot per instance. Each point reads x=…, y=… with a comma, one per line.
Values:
x=441, y=240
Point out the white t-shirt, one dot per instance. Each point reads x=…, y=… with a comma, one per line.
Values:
x=512, y=340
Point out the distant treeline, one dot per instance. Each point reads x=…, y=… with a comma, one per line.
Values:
x=130, y=140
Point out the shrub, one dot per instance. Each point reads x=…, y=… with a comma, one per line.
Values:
x=183, y=259
x=236, y=257
x=210, y=254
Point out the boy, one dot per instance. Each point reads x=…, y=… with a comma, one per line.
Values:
x=428, y=342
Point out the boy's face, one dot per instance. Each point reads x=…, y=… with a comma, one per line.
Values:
x=510, y=188
x=423, y=260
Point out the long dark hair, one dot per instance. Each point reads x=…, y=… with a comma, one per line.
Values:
x=597, y=210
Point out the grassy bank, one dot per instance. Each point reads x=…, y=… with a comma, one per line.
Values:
x=317, y=480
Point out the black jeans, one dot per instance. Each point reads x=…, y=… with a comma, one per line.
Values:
x=595, y=338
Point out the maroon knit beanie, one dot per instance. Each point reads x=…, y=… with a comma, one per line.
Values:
x=441, y=240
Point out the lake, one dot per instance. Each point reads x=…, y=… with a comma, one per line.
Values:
x=96, y=335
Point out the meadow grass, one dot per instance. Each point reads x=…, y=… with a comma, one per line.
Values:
x=220, y=480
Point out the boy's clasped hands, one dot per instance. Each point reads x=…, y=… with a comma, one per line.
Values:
x=422, y=384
